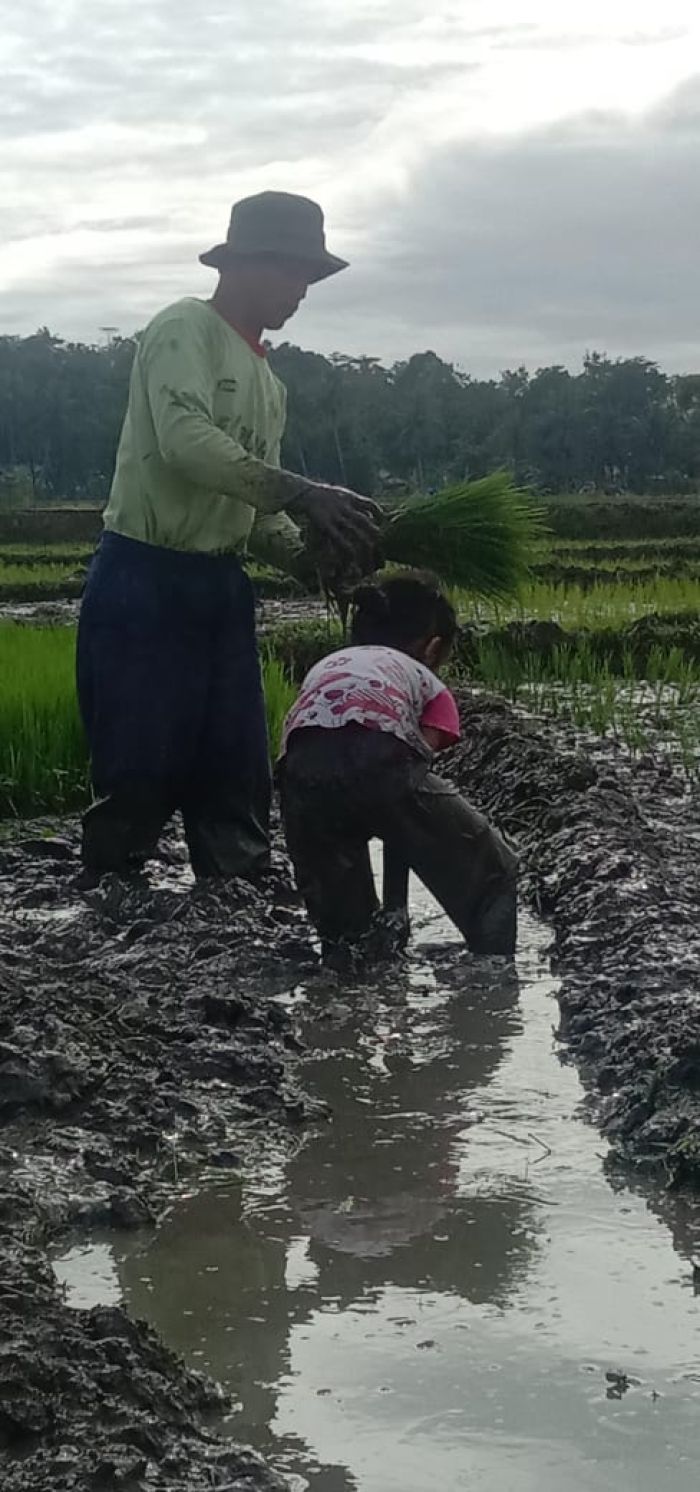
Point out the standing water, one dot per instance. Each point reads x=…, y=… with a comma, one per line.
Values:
x=441, y=1289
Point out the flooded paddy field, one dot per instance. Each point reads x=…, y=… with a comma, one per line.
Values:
x=436, y=1224
x=441, y=1283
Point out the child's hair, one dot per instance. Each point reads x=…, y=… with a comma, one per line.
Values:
x=403, y=611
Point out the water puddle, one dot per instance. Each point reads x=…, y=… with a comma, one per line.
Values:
x=44, y=613
x=434, y=1290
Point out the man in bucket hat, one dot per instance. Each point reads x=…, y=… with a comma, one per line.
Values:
x=168, y=673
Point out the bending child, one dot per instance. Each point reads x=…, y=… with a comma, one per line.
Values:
x=356, y=765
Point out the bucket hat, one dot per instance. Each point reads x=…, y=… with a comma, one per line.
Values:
x=277, y=223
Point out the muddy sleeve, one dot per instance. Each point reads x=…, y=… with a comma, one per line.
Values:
x=180, y=384
x=276, y=541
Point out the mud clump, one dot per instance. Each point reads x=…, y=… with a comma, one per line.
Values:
x=92, y=1399
x=610, y=853
x=139, y=1043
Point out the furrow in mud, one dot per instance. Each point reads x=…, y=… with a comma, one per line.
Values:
x=611, y=858
x=138, y=1043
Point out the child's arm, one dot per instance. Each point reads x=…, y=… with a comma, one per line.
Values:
x=436, y=739
x=440, y=725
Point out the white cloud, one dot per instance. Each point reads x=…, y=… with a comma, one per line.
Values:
x=505, y=188
x=537, y=247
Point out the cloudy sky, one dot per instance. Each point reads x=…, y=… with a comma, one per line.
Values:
x=509, y=190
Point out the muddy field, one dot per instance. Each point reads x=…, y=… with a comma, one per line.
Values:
x=140, y=1046
x=137, y=1045
x=64, y=612
x=611, y=858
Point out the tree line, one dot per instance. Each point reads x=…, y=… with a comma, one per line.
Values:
x=618, y=425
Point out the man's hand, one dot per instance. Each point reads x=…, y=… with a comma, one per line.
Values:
x=343, y=523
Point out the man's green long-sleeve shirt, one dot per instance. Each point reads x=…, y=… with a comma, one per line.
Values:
x=198, y=460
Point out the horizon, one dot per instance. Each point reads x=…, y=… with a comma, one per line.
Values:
x=102, y=345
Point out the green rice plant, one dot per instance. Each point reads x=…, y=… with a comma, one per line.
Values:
x=43, y=756
x=631, y=729
x=477, y=535
x=499, y=665
x=280, y=693
x=572, y=683
x=687, y=735
x=496, y=667
x=601, y=707
x=44, y=764
x=589, y=573
x=16, y=576
x=688, y=544
x=45, y=554
x=670, y=666
x=595, y=515
x=577, y=607
x=299, y=645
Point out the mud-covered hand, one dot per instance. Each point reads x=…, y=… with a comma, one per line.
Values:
x=319, y=568
x=344, y=525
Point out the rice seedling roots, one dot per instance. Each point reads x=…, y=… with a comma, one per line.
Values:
x=137, y=1028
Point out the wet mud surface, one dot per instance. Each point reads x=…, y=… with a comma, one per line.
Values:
x=142, y=1042
x=610, y=852
x=138, y=1043
x=638, y=639
x=59, y=604
x=441, y=1287
x=43, y=613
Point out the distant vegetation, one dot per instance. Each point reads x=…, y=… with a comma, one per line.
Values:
x=616, y=427
x=603, y=633
x=604, y=630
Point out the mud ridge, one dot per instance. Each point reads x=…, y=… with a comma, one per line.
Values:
x=138, y=1044
x=611, y=858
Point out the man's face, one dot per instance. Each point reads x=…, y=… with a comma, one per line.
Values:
x=275, y=286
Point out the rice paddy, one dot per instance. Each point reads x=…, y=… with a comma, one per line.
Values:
x=43, y=574
x=17, y=580
x=684, y=544
x=659, y=712
x=43, y=756
x=49, y=554
x=593, y=668
x=603, y=604
x=43, y=753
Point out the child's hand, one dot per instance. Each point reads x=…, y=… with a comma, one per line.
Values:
x=437, y=740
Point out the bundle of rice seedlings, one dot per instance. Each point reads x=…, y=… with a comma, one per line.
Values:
x=479, y=536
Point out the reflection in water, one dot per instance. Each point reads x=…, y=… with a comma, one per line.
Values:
x=435, y=1286
x=386, y=1172
x=373, y=1201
